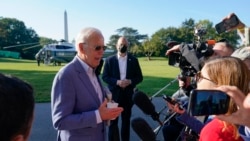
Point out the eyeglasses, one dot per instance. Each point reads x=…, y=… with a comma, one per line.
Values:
x=199, y=76
x=97, y=48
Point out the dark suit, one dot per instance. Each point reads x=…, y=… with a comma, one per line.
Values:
x=74, y=101
x=111, y=74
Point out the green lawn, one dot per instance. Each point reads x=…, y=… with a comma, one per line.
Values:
x=156, y=75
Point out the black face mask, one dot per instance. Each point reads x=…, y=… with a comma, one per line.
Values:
x=123, y=48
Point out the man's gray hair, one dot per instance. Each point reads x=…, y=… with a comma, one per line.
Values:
x=242, y=53
x=84, y=35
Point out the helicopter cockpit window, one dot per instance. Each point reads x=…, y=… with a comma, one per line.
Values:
x=62, y=47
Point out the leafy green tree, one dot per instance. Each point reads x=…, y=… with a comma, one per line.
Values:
x=148, y=49
x=131, y=34
x=186, y=31
x=14, y=32
x=112, y=41
x=211, y=33
x=44, y=40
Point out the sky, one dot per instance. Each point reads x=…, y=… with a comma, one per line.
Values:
x=46, y=17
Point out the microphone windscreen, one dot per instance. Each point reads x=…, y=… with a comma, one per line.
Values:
x=143, y=130
x=142, y=101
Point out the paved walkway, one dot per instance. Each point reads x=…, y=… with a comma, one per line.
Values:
x=43, y=130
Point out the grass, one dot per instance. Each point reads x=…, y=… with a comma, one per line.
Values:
x=156, y=75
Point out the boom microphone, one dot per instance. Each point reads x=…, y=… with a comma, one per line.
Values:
x=143, y=102
x=143, y=130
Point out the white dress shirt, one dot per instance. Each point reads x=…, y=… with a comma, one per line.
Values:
x=122, y=61
x=92, y=76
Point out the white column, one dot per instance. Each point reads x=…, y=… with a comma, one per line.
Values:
x=65, y=27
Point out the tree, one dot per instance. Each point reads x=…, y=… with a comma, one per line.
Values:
x=211, y=33
x=186, y=33
x=44, y=40
x=112, y=41
x=131, y=34
x=148, y=49
x=14, y=32
x=161, y=37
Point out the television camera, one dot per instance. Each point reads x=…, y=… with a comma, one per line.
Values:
x=189, y=58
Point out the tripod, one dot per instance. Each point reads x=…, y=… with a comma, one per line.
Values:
x=168, y=119
x=168, y=116
x=140, y=126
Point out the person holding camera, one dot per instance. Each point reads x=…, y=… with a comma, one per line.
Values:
x=232, y=22
x=244, y=54
x=241, y=117
x=237, y=74
x=210, y=77
x=221, y=48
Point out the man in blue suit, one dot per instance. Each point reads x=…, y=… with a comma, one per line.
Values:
x=122, y=73
x=78, y=100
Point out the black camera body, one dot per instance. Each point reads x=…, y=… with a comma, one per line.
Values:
x=190, y=57
x=177, y=60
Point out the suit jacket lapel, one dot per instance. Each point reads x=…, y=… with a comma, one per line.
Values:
x=83, y=76
x=117, y=70
x=129, y=67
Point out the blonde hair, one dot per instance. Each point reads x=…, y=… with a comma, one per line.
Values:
x=229, y=71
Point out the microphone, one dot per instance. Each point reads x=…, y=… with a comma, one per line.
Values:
x=143, y=130
x=142, y=101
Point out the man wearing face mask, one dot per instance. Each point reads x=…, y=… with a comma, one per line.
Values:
x=122, y=73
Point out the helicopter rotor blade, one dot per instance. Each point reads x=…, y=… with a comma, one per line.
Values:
x=19, y=45
x=32, y=47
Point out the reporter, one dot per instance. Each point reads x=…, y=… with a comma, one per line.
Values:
x=242, y=30
x=220, y=49
x=241, y=116
x=238, y=26
x=236, y=74
x=216, y=72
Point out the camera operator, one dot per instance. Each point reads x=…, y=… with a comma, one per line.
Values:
x=221, y=48
x=242, y=30
x=241, y=116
